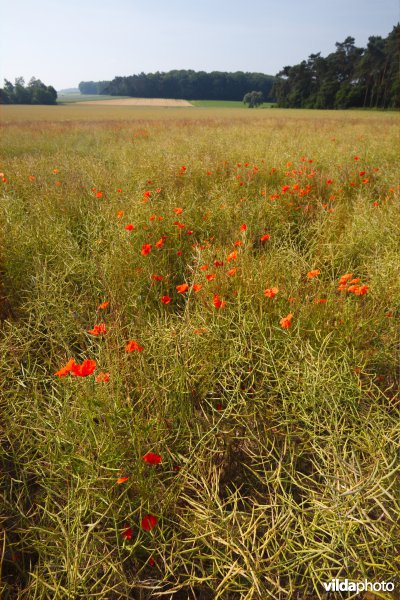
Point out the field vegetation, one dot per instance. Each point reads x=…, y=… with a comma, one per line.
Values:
x=199, y=343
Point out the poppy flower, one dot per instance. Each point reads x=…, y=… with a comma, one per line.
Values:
x=232, y=256
x=243, y=227
x=148, y=522
x=99, y=194
x=157, y=277
x=127, y=533
x=204, y=268
x=271, y=292
x=98, y=329
x=231, y=272
x=122, y=479
x=218, y=263
x=102, y=377
x=103, y=305
x=85, y=369
x=197, y=287
x=182, y=288
x=65, y=370
x=178, y=211
x=165, y=299
x=355, y=280
x=286, y=321
x=362, y=290
x=345, y=278
x=218, y=302
x=133, y=346
x=312, y=274
x=129, y=227
x=320, y=301
x=265, y=237
x=210, y=277
x=151, y=561
x=146, y=194
x=120, y=214
x=146, y=249
x=152, y=459
x=238, y=243
x=160, y=243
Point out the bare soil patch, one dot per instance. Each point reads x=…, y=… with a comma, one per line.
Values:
x=140, y=102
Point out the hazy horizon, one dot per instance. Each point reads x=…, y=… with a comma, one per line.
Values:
x=87, y=40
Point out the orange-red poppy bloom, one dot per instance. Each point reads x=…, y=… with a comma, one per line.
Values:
x=152, y=458
x=65, y=370
x=103, y=305
x=122, y=479
x=265, y=237
x=232, y=256
x=129, y=227
x=182, y=288
x=231, y=272
x=204, y=268
x=243, y=227
x=160, y=243
x=271, y=292
x=84, y=369
x=148, y=522
x=210, y=277
x=133, y=346
x=312, y=274
x=98, y=329
x=286, y=321
x=320, y=301
x=362, y=289
x=165, y=299
x=178, y=210
x=197, y=287
x=102, y=377
x=146, y=249
x=218, y=302
x=157, y=277
x=345, y=278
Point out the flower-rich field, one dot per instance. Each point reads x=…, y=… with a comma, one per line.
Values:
x=199, y=352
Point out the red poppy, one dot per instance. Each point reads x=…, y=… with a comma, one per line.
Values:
x=210, y=277
x=286, y=321
x=127, y=532
x=182, y=288
x=152, y=459
x=232, y=256
x=218, y=302
x=102, y=377
x=122, y=479
x=120, y=214
x=271, y=292
x=129, y=227
x=178, y=211
x=133, y=346
x=157, y=277
x=85, y=369
x=160, y=243
x=103, y=305
x=197, y=287
x=65, y=370
x=148, y=522
x=152, y=562
x=165, y=299
x=243, y=227
x=231, y=272
x=146, y=249
x=218, y=263
x=312, y=274
x=98, y=329
x=204, y=268
x=362, y=290
x=265, y=237
x=99, y=194
x=320, y=301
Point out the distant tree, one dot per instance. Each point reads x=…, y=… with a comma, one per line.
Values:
x=253, y=99
x=36, y=92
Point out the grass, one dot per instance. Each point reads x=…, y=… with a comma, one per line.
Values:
x=279, y=447
x=72, y=98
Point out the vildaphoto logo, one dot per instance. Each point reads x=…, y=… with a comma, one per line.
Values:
x=344, y=585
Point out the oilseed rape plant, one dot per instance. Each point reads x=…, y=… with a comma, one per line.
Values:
x=199, y=368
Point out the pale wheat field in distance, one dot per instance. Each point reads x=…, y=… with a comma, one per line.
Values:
x=199, y=372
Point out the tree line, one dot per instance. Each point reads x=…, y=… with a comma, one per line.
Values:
x=349, y=77
x=185, y=84
x=36, y=92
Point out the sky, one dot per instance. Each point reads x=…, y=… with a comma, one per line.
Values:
x=65, y=42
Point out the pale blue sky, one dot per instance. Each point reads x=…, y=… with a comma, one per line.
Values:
x=65, y=42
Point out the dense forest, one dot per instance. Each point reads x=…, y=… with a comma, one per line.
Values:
x=349, y=77
x=36, y=92
x=188, y=85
